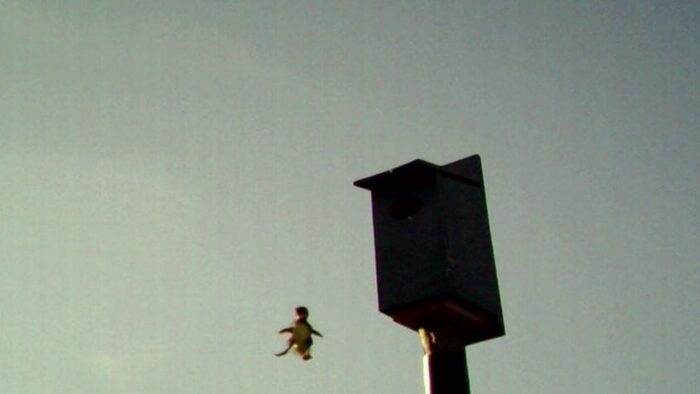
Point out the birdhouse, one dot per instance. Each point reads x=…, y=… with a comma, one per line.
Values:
x=434, y=258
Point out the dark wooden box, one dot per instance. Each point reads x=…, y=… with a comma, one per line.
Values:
x=434, y=258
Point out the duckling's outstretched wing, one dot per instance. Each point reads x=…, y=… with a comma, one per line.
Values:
x=286, y=330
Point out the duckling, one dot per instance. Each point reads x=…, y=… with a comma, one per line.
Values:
x=301, y=331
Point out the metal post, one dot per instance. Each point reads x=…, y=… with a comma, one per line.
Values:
x=444, y=365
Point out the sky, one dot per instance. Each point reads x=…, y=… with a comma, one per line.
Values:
x=176, y=177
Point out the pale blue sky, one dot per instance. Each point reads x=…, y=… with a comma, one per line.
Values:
x=176, y=176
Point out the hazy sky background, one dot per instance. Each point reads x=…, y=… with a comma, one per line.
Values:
x=176, y=176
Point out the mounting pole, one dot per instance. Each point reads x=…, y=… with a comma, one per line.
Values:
x=444, y=365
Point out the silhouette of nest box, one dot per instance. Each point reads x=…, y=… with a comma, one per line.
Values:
x=434, y=258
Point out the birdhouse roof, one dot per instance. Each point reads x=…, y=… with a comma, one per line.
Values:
x=467, y=170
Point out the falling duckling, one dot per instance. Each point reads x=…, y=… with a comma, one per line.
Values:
x=300, y=340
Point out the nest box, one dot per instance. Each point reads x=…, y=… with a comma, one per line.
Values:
x=434, y=258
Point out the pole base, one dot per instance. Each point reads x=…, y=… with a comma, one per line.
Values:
x=445, y=372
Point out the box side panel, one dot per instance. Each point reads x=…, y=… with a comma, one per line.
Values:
x=469, y=252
